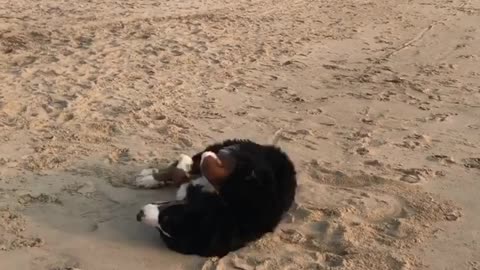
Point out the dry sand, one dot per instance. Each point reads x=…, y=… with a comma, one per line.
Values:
x=379, y=102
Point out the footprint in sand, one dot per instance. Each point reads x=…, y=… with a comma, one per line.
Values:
x=415, y=141
x=442, y=159
x=415, y=175
x=472, y=163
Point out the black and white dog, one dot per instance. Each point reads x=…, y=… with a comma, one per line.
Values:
x=240, y=192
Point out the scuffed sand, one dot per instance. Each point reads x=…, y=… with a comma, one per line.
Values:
x=379, y=102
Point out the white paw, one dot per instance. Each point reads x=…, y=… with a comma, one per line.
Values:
x=149, y=215
x=185, y=163
x=182, y=191
x=146, y=181
x=146, y=172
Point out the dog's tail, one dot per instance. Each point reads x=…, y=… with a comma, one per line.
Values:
x=276, y=137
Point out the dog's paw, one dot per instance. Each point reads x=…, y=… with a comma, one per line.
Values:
x=149, y=171
x=185, y=163
x=182, y=191
x=146, y=179
x=149, y=215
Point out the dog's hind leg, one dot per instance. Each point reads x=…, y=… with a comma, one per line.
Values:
x=152, y=178
x=176, y=172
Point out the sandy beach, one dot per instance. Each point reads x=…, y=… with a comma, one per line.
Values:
x=378, y=103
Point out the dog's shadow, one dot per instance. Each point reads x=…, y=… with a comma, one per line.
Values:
x=105, y=213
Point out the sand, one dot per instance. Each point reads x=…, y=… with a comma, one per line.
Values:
x=379, y=103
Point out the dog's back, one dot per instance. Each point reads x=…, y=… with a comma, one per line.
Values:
x=285, y=175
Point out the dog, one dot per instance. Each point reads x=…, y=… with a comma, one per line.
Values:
x=230, y=194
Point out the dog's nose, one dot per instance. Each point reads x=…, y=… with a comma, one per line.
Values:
x=140, y=215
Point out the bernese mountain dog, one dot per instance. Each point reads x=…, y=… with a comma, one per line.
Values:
x=230, y=194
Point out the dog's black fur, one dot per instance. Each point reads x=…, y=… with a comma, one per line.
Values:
x=249, y=203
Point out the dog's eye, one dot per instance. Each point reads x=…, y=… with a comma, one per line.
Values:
x=251, y=177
